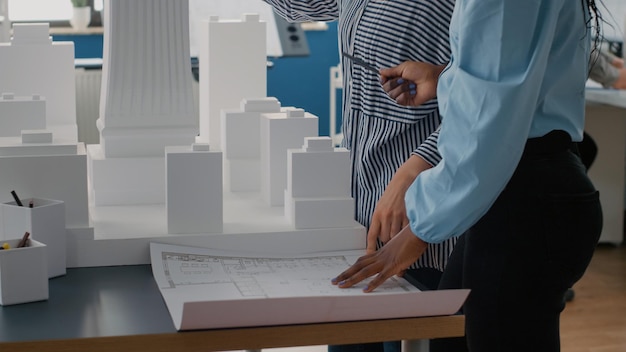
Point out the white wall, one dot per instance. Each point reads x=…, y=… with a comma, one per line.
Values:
x=614, y=13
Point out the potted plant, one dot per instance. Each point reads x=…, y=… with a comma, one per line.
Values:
x=81, y=16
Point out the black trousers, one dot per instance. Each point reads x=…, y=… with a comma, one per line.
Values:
x=534, y=243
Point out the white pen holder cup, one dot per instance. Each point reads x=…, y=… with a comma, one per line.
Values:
x=23, y=273
x=46, y=223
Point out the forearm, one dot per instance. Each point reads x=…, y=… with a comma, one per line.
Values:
x=412, y=167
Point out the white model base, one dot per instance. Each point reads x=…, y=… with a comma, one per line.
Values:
x=124, y=181
x=122, y=234
x=142, y=142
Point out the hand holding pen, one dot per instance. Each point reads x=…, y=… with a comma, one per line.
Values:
x=411, y=83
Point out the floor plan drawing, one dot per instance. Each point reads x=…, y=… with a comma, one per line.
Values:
x=206, y=288
x=264, y=277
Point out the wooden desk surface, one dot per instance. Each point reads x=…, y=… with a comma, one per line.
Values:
x=121, y=309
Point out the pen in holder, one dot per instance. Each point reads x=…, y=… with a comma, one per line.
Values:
x=45, y=220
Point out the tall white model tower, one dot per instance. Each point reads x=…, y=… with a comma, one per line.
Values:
x=233, y=66
x=146, y=99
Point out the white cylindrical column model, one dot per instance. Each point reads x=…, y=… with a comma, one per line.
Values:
x=146, y=99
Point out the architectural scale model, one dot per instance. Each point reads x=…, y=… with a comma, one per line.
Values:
x=233, y=66
x=21, y=113
x=158, y=173
x=316, y=199
x=146, y=100
x=34, y=65
x=280, y=132
x=39, y=153
x=240, y=133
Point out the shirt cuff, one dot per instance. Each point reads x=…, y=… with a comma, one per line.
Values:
x=428, y=149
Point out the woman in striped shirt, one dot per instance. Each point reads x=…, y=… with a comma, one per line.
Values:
x=380, y=133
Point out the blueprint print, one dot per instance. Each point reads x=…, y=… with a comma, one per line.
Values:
x=263, y=277
x=206, y=288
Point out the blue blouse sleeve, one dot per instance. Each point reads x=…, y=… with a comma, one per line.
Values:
x=489, y=96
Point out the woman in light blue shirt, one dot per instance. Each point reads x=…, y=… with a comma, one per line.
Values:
x=512, y=101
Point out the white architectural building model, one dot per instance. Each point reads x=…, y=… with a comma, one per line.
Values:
x=39, y=153
x=233, y=66
x=194, y=189
x=152, y=179
x=34, y=65
x=146, y=99
x=241, y=140
x=21, y=113
x=279, y=132
x=318, y=186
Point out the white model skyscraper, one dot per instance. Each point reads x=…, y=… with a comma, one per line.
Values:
x=233, y=66
x=146, y=99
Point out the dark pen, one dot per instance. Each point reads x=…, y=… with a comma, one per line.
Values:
x=17, y=199
x=361, y=62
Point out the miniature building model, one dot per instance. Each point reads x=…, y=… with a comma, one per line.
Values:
x=34, y=65
x=318, y=185
x=39, y=153
x=241, y=140
x=21, y=113
x=146, y=100
x=151, y=178
x=280, y=132
x=194, y=189
x=233, y=67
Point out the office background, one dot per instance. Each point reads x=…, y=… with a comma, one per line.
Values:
x=295, y=81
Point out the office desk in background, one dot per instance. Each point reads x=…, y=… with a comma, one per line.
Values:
x=605, y=121
x=120, y=308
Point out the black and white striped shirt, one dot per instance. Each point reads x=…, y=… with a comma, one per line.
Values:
x=380, y=134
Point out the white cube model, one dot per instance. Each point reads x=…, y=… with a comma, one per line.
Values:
x=46, y=223
x=233, y=66
x=280, y=132
x=194, y=197
x=318, y=186
x=24, y=73
x=19, y=113
x=241, y=140
x=23, y=273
